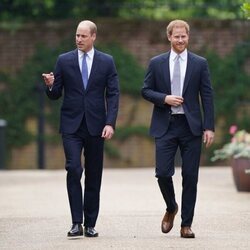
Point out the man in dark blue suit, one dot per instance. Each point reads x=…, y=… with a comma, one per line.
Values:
x=178, y=84
x=87, y=79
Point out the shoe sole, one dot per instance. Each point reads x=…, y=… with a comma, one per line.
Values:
x=91, y=236
x=187, y=237
x=75, y=236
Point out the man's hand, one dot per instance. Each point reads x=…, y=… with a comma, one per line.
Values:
x=174, y=100
x=107, y=132
x=48, y=79
x=208, y=137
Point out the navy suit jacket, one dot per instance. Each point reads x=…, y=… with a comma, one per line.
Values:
x=197, y=92
x=98, y=103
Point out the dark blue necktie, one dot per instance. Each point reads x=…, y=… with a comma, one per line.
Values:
x=84, y=71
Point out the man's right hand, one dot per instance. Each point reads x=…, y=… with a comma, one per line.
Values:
x=48, y=79
x=174, y=100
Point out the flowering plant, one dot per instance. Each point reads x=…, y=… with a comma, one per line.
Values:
x=238, y=147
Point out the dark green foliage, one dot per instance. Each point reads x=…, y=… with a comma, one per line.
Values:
x=231, y=88
x=19, y=99
x=37, y=10
x=230, y=82
x=130, y=72
x=40, y=10
x=112, y=151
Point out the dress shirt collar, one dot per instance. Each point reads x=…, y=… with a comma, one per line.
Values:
x=90, y=53
x=183, y=55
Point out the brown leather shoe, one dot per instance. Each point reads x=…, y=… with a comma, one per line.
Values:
x=186, y=232
x=168, y=221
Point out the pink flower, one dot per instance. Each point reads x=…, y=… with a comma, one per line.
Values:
x=233, y=129
x=233, y=140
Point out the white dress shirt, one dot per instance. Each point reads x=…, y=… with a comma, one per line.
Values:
x=183, y=65
x=89, y=59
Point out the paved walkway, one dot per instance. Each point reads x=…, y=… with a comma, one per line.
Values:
x=34, y=212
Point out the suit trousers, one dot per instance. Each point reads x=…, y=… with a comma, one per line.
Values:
x=179, y=135
x=86, y=204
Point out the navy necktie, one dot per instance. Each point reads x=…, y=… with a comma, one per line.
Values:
x=84, y=71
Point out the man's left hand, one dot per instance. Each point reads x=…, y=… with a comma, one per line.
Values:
x=208, y=137
x=107, y=132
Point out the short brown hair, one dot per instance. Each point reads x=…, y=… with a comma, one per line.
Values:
x=175, y=24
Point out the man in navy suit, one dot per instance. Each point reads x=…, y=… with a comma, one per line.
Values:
x=178, y=84
x=87, y=79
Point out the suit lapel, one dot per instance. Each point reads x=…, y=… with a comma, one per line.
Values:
x=76, y=68
x=190, y=66
x=94, y=68
x=165, y=71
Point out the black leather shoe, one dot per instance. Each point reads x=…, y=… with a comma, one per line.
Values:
x=76, y=230
x=90, y=232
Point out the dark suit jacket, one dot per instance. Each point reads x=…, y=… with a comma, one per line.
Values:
x=197, y=88
x=98, y=103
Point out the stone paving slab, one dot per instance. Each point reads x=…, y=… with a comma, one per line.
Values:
x=34, y=212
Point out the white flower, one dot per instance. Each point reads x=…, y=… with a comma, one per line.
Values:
x=238, y=147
